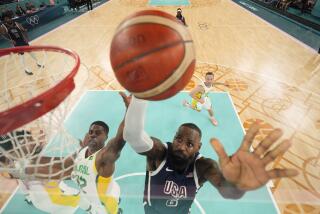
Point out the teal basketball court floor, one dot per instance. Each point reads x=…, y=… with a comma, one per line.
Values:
x=163, y=119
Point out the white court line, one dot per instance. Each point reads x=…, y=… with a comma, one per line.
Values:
x=143, y=174
x=270, y=183
x=278, y=29
x=110, y=82
x=199, y=206
x=272, y=198
x=130, y=175
x=234, y=107
x=9, y=199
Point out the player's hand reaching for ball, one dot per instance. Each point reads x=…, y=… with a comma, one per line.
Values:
x=246, y=169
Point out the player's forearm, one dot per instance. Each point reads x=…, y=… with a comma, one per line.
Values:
x=229, y=190
x=119, y=137
x=134, y=132
x=116, y=144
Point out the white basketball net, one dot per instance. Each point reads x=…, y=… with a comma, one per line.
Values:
x=45, y=136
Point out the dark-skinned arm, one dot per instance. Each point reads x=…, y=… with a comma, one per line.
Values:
x=208, y=170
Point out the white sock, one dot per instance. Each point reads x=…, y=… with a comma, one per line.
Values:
x=22, y=60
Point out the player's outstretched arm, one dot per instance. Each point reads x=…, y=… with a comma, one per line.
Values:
x=245, y=169
x=135, y=134
x=108, y=155
x=208, y=170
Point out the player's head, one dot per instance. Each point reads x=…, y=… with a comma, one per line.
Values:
x=98, y=133
x=209, y=77
x=179, y=12
x=186, y=143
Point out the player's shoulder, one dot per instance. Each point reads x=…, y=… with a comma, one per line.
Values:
x=204, y=160
x=203, y=164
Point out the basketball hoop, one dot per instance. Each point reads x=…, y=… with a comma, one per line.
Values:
x=33, y=107
x=19, y=115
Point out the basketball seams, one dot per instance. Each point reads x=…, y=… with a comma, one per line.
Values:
x=152, y=51
x=176, y=75
x=164, y=80
x=180, y=69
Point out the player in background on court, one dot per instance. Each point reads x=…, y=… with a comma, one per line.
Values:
x=176, y=171
x=180, y=17
x=16, y=34
x=91, y=168
x=200, y=96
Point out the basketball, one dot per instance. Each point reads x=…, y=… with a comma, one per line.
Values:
x=152, y=55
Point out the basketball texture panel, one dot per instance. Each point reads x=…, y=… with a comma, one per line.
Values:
x=151, y=52
x=174, y=89
x=138, y=40
x=149, y=63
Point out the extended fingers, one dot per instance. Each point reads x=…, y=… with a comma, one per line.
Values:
x=276, y=152
x=248, y=138
x=281, y=173
x=267, y=142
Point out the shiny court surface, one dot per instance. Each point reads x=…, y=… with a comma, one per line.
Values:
x=273, y=78
x=162, y=121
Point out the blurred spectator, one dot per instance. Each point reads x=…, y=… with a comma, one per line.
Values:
x=78, y=3
x=89, y=4
x=6, y=12
x=283, y=4
x=43, y=5
x=304, y=6
x=20, y=11
x=17, y=35
x=7, y=1
x=273, y=3
x=30, y=8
